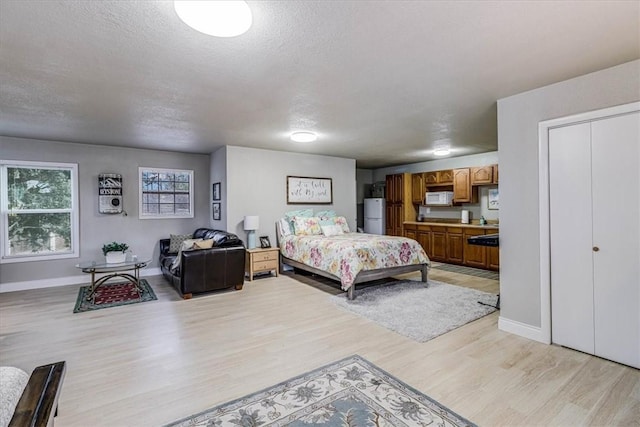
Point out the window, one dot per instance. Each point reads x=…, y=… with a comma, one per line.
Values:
x=38, y=211
x=166, y=193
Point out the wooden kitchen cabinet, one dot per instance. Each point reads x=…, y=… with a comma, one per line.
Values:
x=417, y=188
x=474, y=255
x=455, y=245
x=461, y=185
x=430, y=178
x=393, y=188
x=445, y=177
x=394, y=219
x=493, y=258
x=482, y=175
x=495, y=174
x=424, y=238
x=438, y=244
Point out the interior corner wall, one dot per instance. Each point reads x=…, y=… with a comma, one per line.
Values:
x=518, y=118
x=218, y=173
x=95, y=228
x=257, y=185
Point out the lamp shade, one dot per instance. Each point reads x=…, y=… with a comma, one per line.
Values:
x=251, y=222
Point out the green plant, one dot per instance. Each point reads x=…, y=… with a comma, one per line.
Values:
x=114, y=247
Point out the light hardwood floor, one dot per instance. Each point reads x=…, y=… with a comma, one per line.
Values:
x=152, y=363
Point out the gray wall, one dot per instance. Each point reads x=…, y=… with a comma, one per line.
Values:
x=218, y=173
x=97, y=229
x=518, y=118
x=257, y=181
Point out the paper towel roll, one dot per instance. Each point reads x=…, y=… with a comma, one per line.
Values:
x=465, y=217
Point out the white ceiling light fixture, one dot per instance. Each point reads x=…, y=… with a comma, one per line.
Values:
x=442, y=148
x=303, y=136
x=215, y=18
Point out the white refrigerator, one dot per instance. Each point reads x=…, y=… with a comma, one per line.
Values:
x=374, y=216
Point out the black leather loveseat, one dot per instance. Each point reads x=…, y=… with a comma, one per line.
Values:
x=204, y=270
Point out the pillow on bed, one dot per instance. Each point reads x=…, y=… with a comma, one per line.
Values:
x=342, y=222
x=331, y=230
x=307, y=226
x=285, y=227
x=300, y=213
x=326, y=214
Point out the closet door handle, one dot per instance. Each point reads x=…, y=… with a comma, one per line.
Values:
x=596, y=249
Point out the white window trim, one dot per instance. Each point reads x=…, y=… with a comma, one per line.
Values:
x=4, y=213
x=164, y=170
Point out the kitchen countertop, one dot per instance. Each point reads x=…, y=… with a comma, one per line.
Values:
x=453, y=224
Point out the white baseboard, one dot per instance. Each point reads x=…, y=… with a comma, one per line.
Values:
x=523, y=330
x=61, y=281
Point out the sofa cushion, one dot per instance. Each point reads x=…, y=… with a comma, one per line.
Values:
x=176, y=241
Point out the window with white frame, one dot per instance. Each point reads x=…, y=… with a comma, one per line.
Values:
x=165, y=193
x=38, y=210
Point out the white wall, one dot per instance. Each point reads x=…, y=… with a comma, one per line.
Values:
x=218, y=173
x=518, y=118
x=257, y=181
x=95, y=228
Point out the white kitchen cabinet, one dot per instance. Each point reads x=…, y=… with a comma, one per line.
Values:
x=594, y=203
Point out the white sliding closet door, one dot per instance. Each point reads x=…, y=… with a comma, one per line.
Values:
x=594, y=176
x=570, y=227
x=615, y=145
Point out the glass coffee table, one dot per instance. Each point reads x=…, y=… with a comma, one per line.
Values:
x=112, y=270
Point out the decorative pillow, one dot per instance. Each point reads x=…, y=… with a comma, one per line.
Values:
x=331, y=230
x=176, y=241
x=342, y=222
x=326, y=214
x=307, y=226
x=327, y=221
x=292, y=215
x=203, y=244
x=285, y=227
x=187, y=245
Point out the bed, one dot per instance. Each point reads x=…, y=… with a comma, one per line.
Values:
x=351, y=258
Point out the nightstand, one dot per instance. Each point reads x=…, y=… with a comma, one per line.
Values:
x=260, y=259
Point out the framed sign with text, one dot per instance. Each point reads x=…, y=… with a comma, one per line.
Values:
x=309, y=191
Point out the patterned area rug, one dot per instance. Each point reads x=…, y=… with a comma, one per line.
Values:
x=113, y=295
x=350, y=392
x=417, y=311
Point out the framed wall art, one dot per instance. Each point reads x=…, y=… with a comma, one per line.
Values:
x=216, y=191
x=215, y=207
x=309, y=191
x=493, y=199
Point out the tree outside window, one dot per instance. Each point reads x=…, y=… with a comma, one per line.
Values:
x=39, y=219
x=166, y=193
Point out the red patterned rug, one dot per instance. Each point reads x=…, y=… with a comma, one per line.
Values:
x=113, y=295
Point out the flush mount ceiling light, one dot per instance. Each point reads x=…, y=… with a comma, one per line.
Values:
x=215, y=18
x=303, y=136
x=442, y=148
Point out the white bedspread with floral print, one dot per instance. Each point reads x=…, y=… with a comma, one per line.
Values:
x=346, y=255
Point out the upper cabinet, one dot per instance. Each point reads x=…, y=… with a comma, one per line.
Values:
x=482, y=175
x=417, y=188
x=495, y=174
x=461, y=186
x=445, y=177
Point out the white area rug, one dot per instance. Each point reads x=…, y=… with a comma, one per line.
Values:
x=418, y=312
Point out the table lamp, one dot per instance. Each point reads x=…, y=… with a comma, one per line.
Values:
x=251, y=224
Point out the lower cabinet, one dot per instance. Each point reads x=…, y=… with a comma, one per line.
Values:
x=449, y=244
x=439, y=244
x=474, y=255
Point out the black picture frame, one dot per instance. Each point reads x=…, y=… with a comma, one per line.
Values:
x=215, y=191
x=215, y=208
x=264, y=242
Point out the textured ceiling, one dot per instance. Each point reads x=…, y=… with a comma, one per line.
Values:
x=378, y=81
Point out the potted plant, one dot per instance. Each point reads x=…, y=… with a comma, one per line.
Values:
x=115, y=252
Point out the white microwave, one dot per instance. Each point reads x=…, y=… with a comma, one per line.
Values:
x=438, y=198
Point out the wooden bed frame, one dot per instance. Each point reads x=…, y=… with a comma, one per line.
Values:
x=362, y=276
